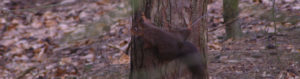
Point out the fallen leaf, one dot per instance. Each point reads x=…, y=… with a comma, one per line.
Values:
x=50, y=23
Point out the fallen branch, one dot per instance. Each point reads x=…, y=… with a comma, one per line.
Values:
x=26, y=72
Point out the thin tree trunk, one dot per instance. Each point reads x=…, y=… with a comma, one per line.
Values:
x=231, y=12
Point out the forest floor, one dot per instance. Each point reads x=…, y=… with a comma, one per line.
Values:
x=87, y=39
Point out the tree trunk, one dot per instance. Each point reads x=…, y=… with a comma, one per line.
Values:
x=231, y=12
x=168, y=14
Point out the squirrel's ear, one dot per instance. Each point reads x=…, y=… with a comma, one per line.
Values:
x=145, y=19
x=189, y=28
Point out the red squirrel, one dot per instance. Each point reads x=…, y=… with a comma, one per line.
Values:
x=168, y=44
x=171, y=45
x=153, y=34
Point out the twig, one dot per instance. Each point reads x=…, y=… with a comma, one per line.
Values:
x=26, y=72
